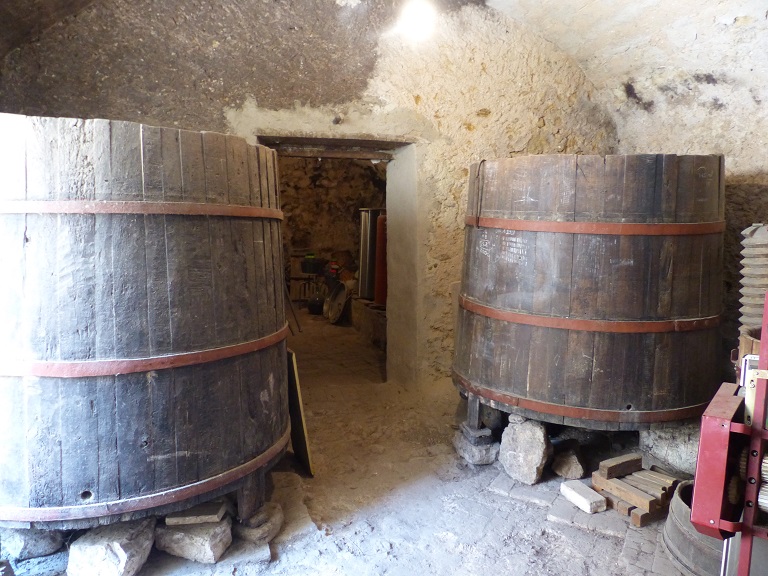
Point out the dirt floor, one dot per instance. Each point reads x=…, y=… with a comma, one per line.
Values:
x=391, y=497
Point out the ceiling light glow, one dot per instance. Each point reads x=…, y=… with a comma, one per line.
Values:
x=417, y=21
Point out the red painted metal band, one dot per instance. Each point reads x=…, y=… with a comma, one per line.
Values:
x=585, y=325
x=90, y=368
x=620, y=416
x=605, y=228
x=60, y=513
x=119, y=207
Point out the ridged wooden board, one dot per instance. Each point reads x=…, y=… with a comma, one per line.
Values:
x=84, y=288
x=592, y=287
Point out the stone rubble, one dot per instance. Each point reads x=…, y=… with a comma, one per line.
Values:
x=25, y=544
x=582, y=496
x=116, y=549
x=204, y=543
x=480, y=455
x=569, y=464
x=203, y=513
x=525, y=449
x=263, y=526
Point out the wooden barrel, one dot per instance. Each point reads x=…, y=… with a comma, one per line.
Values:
x=592, y=287
x=142, y=342
x=693, y=553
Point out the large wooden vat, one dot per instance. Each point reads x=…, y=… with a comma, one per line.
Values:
x=142, y=341
x=592, y=287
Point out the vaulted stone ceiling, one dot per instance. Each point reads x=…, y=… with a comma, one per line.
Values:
x=610, y=40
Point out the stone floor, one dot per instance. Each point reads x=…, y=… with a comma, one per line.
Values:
x=390, y=496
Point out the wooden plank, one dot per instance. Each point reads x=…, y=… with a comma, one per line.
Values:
x=580, y=362
x=38, y=307
x=654, y=490
x=639, y=187
x=546, y=365
x=42, y=156
x=265, y=315
x=102, y=161
x=613, y=200
x=129, y=277
x=158, y=306
x=254, y=176
x=706, y=200
x=251, y=495
x=590, y=188
x=214, y=401
x=186, y=436
x=189, y=283
x=192, y=166
x=43, y=418
x=126, y=169
x=669, y=188
x=172, y=169
x=246, y=284
x=624, y=508
x=640, y=518
x=299, y=434
x=266, y=193
x=152, y=162
x=614, y=502
x=162, y=442
x=79, y=435
x=215, y=161
x=279, y=274
x=625, y=492
x=269, y=286
x=276, y=171
x=134, y=434
x=106, y=444
x=104, y=321
x=237, y=171
x=605, y=389
x=74, y=290
x=14, y=458
x=658, y=478
x=621, y=465
x=13, y=293
x=250, y=410
x=227, y=311
x=585, y=276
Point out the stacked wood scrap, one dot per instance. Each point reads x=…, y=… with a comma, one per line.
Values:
x=643, y=495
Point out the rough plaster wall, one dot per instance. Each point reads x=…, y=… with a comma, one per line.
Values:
x=482, y=87
x=321, y=200
x=490, y=90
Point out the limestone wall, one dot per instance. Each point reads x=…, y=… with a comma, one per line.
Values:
x=321, y=200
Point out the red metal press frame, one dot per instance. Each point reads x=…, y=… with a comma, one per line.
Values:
x=723, y=436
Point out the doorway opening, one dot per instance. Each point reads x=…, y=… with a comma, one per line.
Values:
x=333, y=194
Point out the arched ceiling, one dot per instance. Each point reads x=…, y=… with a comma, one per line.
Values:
x=720, y=41
x=614, y=40
x=23, y=19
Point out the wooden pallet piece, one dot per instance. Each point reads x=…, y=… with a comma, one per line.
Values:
x=659, y=478
x=640, y=518
x=615, y=503
x=626, y=492
x=621, y=465
x=654, y=490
